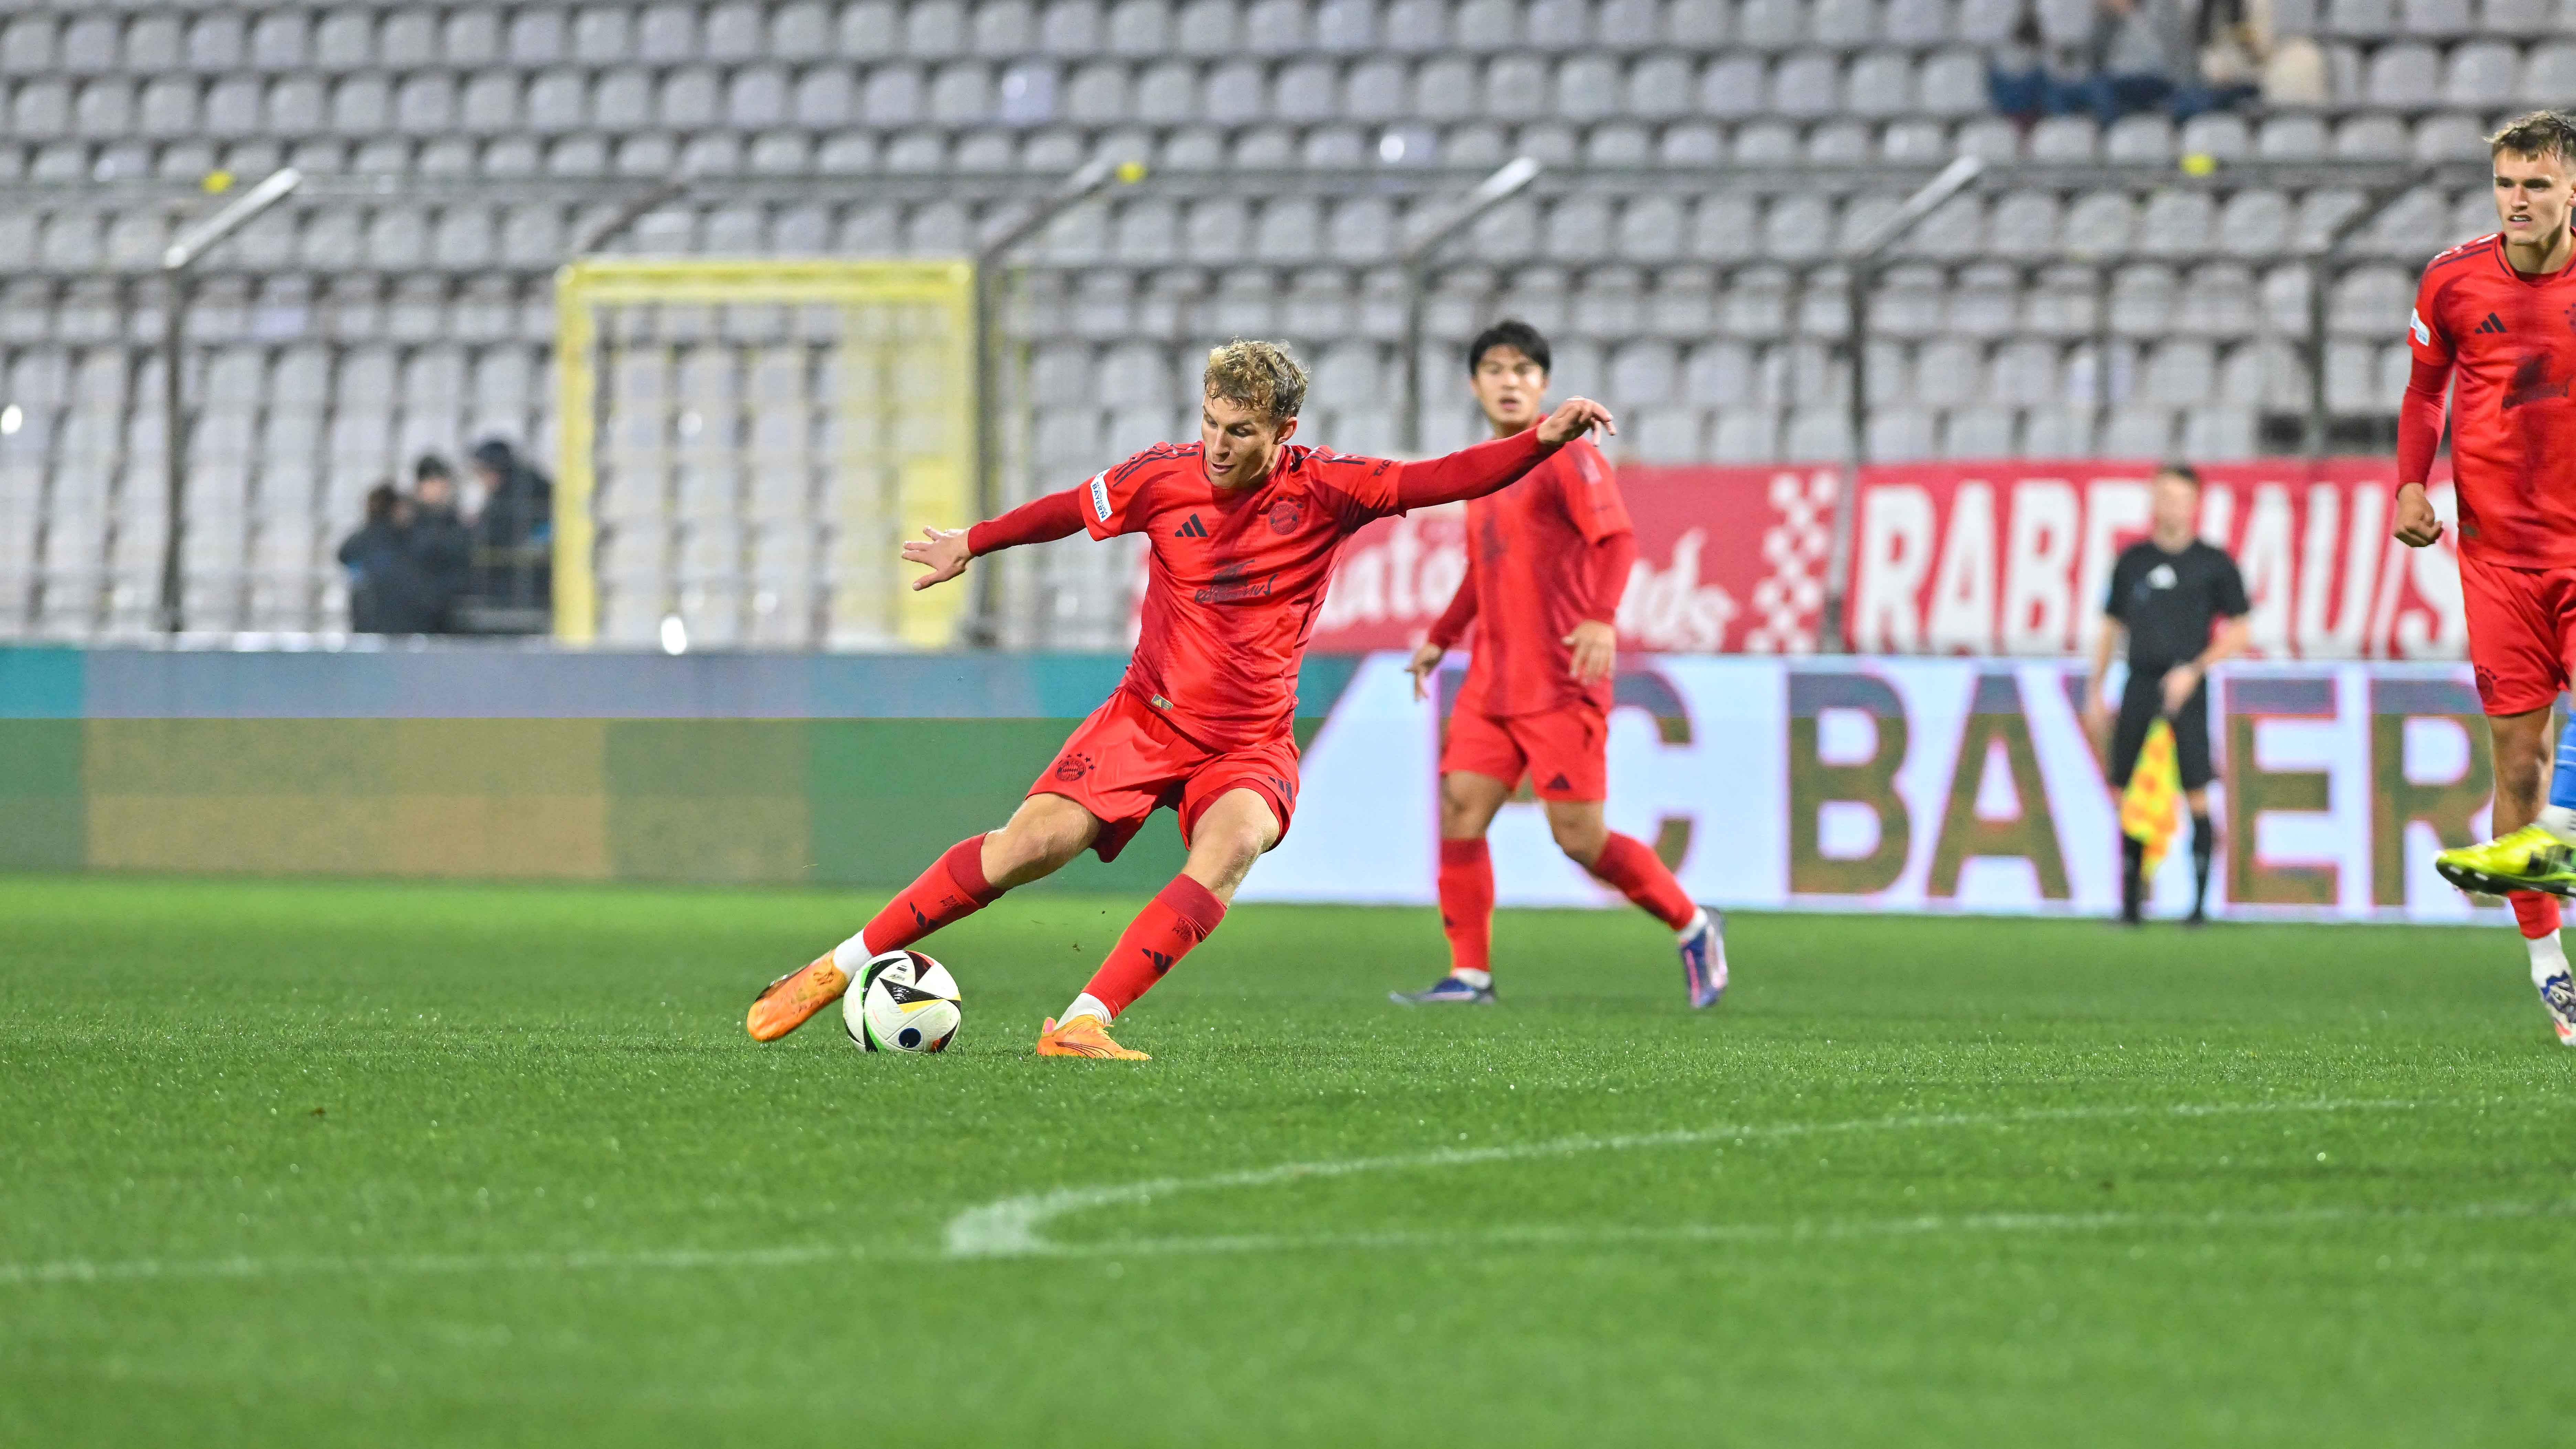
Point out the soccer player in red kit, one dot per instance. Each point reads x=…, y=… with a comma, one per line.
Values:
x=2499, y=314
x=1547, y=560
x=1244, y=528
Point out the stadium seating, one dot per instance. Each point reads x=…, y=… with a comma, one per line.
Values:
x=2054, y=310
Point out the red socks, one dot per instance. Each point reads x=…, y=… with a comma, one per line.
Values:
x=951, y=890
x=2535, y=912
x=1172, y=922
x=1633, y=870
x=1467, y=903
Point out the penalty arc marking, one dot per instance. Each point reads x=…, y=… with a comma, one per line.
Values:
x=1015, y=1226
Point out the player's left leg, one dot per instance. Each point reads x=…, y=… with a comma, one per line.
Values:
x=2192, y=763
x=1234, y=805
x=1569, y=755
x=1631, y=867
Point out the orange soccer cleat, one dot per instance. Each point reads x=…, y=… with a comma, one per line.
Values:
x=791, y=999
x=1083, y=1036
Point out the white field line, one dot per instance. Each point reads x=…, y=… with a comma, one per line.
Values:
x=1011, y=1227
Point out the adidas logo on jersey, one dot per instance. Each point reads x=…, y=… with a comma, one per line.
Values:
x=2493, y=324
x=1191, y=529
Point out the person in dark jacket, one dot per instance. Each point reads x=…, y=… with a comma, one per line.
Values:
x=514, y=534
x=388, y=591
x=440, y=540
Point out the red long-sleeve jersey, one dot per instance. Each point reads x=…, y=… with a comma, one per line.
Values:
x=1235, y=575
x=1542, y=557
x=2510, y=339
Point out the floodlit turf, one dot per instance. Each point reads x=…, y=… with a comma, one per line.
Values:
x=370, y=1164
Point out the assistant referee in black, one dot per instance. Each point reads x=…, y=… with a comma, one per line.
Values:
x=2181, y=605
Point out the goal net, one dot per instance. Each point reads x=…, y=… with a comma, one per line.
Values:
x=743, y=445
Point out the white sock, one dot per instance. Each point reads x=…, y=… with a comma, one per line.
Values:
x=2548, y=957
x=852, y=954
x=2559, y=820
x=1473, y=977
x=1088, y=1005
x=1698, y=923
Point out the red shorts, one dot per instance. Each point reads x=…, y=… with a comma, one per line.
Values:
x=2522, y=633
x=1126, y=762
x=1565, y=752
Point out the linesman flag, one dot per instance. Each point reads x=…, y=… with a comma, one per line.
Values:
x=2150, y=809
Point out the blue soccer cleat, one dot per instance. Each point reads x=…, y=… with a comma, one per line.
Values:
x=2558, y=994
x=1447, y=991
x=1704, y=960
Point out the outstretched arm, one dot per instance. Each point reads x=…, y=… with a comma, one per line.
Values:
x=1057, y=515
x=1490, y=467
x=2419, y=435
x=1444, y=634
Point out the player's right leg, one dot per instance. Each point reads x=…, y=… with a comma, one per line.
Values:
x=1468, y=804
x=1042, y=835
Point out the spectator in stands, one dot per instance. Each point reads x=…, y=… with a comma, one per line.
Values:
x=2017, y=77
x=2143, y=61
x=2242, y=55
x=440, y=541
x=514, y=534
x=388, y=590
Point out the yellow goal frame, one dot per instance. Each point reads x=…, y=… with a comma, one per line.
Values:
x=937, y=489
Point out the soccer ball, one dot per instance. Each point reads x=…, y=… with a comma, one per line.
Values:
x=905, y=1002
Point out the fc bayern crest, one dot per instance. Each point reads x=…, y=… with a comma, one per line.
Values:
x=1285, y=513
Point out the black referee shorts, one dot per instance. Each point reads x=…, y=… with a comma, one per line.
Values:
x=2140, y=703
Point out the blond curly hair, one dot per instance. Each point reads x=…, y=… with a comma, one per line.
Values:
x=1262, y=376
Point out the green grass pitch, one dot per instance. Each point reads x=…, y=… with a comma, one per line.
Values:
x=295, y=1163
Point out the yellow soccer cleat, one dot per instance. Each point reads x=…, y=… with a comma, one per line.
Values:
x=2530, y=859
x=791, y=999
x=1083, y=1036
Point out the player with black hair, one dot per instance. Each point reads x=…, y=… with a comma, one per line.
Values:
x=1547, y=561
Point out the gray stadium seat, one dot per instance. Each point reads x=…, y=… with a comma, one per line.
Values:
x=735, y=31
x=1982, y=431
x=1587, y=87
x=1923, y=22
x=868, y=31
x=1840, y=143
x=1415, y=26
x=2291, y=138
x=2064, y=139
x=1771, y=24
x=1882, y=84
x=1307, y=91
x=2219, y=134
x=344, y=40
x=1275, y=27
x=27, y=44
x=535, y=37
x=1844, y=24
x=1734, y=86
x=2404, y=75
x=961, y=93
x=1699, y=24
x=1949, y=372
x=1807, y=84
x=2177, y=223
x=668, y=34
x=1067, y=27
x=1899, y=434
x=408, y=38
x=2549, y=79
x=2100, y=224
x=2514, y=17
x=891, y=96
x=2360, y=19
x=2144, y=137
x=2255, y=224
x=2482, y=73
x=1486, y=25
x=2437, y=19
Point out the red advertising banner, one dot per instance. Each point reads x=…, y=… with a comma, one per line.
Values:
x=1729, y=561
x=1982, y=558
x=2014, y=557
